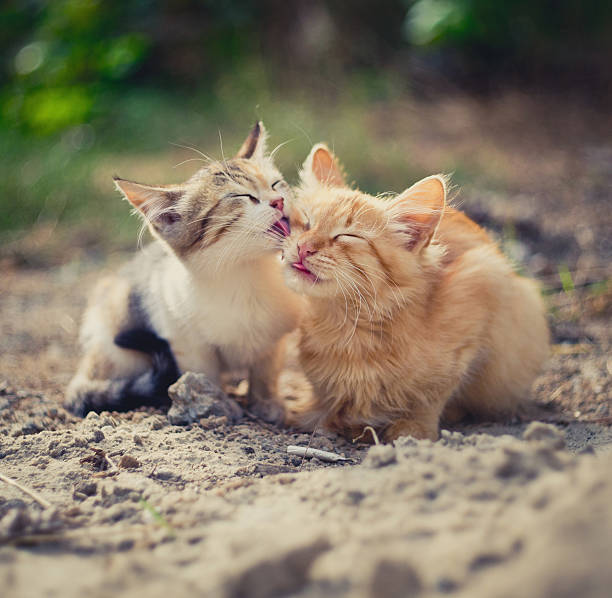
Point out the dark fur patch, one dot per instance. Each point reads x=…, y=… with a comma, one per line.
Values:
x=141, y=339
x=238, y=175
x=173, y=196
x=219, y=178
x=219, y=233
x=137, y=316
x=165, y=370
x=250, y=144
x=204, y=225
x=147, y=389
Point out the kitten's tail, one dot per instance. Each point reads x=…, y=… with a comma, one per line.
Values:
x=148, y=389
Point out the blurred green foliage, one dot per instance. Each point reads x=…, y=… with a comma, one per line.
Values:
x=533, y=38
x=519, y=25
x=65, y=55
x=85, y=82
x=64, y=59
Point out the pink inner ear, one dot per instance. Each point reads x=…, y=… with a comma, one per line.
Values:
x=135, y=193
x=420, y=209
x=325, y=168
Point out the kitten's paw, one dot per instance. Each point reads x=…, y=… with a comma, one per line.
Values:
x=416, y=429
x=270, y=411
x=80, y=404
x=80, y=397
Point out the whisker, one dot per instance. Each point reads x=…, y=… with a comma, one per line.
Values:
x=279, y=146
x=190, y=160
x=302, y=130
x=193, y=149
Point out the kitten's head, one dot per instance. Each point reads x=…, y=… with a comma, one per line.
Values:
x=347, y=244
x=229, y=211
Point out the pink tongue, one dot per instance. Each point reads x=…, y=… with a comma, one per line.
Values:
x=283, y=224
x=299, y=266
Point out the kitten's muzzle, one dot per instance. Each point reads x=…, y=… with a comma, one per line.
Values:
x=304, y=271
x=279, y=204
x=304, y=250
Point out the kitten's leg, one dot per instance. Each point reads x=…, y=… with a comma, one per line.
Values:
x=101, y=384
x=454, y=412
x=263, y=385
x=422, y=421
x=193, y=357
x=101, y=378
x=420, y=429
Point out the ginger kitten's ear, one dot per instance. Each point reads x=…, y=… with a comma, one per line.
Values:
x=156, y=204
x=254, y=145
x=419, y=209
x=322, y=166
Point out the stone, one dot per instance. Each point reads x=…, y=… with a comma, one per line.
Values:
x=128, y=462
x=195, y=397
x=394, y=578
x=380, y=455
x=546, y=434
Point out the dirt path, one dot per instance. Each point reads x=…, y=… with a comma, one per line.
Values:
x=141, y=506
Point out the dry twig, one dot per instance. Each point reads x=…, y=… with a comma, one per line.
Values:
x=372, y=431
x=39, y=499
x=314, y=431
x=89, y=534
x=304, y=451
x=100, y=460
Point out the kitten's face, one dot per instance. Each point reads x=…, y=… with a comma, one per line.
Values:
x=339, y=245
x=227, y=212
x=353, y=246
x=235, y=210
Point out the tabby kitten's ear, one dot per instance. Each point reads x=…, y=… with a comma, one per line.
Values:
x=157, y=204
x=418, y=211
x=254, y=146
x=323, y=166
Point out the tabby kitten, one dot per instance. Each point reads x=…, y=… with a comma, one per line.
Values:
x=413, y=314
x=206, y=295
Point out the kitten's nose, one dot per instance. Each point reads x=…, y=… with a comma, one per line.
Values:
x=305, y=250
x=278, y=203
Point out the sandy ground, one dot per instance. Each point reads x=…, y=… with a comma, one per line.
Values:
x=128, y=504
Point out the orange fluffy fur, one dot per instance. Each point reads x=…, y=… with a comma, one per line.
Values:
x=413, y=314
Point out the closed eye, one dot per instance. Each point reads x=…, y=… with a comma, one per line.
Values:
x=279, y=182
x=348, y=235
x=248, y=195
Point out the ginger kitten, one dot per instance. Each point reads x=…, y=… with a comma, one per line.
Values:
x=206, y=295
x=413, y=314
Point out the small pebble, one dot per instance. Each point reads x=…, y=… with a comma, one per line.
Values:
x=128, y=462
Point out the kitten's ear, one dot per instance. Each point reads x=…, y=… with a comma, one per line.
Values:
x=323, y=166
x=254, y=145
x=156, y=204
x=419, y=209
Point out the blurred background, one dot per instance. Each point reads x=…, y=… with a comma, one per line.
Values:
x=511, y=97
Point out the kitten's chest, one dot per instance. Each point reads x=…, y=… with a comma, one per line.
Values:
x=348, y=368
x=240, y=320
x=233, y=317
